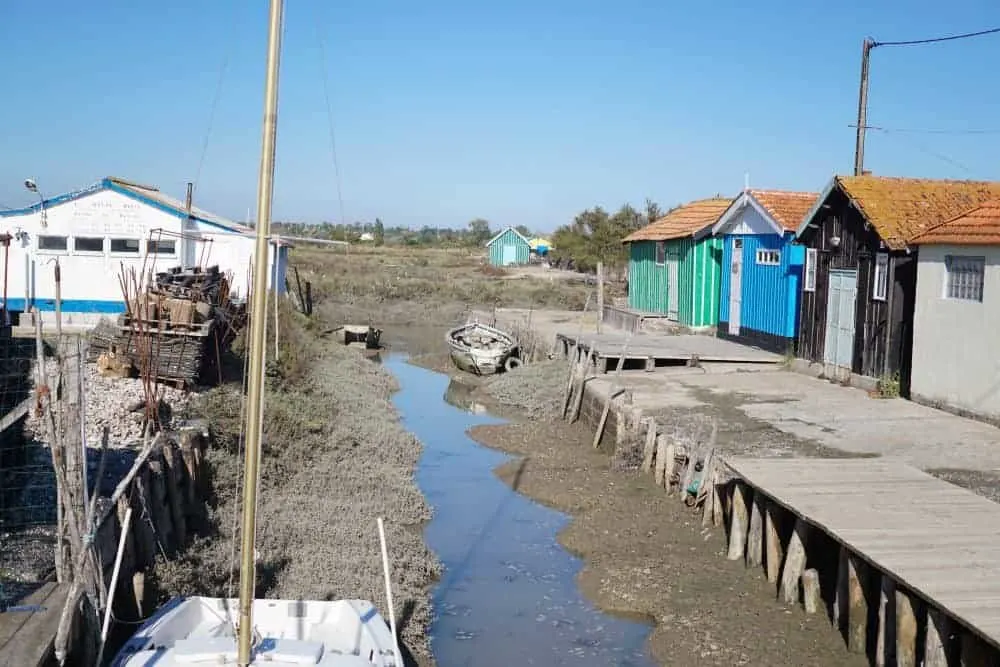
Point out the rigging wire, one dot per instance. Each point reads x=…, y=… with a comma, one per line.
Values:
x=329, y=115
x=223, y=70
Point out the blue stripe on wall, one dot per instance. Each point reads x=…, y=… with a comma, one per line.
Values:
x=70, y=306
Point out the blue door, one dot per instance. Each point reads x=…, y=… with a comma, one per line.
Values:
x=841, y=295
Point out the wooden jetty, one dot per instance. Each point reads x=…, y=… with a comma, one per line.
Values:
x=907, y=565
x=650, y=350
x=28, y=628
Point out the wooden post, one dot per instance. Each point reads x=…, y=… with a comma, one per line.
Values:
x=795, y=562
x=738, y=524
x=810, y=591
x=906, y=630
x=885, y=647
x=600, y=295
x=975, y=652
x=588, y=362
x=773, y=552
x=938, y=647
x=857, y=604
x=666, y=452
x=612, y=392
x=649, y=451
x=840, y=596
x=755, y=539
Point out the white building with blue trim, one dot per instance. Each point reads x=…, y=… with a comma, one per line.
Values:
x=114, y=224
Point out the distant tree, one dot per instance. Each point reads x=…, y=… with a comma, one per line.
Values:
x=479, y=231
x=653, y=211
x=523, y=231
x=379, y=232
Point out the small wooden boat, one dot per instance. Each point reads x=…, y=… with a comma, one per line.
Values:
x=482, y=349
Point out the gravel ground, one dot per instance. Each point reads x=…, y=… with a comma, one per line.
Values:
x=109, y=401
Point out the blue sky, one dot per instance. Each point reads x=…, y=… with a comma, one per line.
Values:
x=519, y=112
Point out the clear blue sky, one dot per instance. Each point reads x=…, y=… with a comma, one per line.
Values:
x=525, y=111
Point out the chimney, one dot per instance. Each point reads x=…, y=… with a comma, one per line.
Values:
x=866, y=172
x=190, y=198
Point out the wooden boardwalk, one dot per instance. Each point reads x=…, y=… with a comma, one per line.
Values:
x=26, y=635
x=660, y=349
x=933, y=539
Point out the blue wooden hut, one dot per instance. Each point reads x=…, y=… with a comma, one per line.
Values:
x=762, y=268
x=508, y=247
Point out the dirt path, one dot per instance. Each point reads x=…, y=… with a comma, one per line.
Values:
x=646, y=554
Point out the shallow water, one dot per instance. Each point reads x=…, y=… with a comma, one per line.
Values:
x=508, y=595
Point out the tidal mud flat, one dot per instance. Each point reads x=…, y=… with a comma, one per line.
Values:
x=645, y=553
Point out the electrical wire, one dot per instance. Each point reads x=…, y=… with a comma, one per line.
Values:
x=933, y=40
x=329, y=115
x=927, y=131
x=923, y=149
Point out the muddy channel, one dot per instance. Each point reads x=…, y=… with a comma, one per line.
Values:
x=508, y=594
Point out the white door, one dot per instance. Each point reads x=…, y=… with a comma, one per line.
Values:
x=673, y=285
x=841, y=295
x=508, y=254
x=735, y=287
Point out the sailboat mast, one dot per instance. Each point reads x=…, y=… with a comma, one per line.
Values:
x=258, y=304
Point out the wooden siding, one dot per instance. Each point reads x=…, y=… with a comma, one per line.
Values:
x=700, y=275
x=647, y=281
x=882, y=344
x=770, y=293
x=509, y=238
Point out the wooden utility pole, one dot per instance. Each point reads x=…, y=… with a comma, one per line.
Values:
x=859, y=146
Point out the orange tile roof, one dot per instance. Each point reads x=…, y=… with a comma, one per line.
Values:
x=980, y=226
x=682, y=222
x=787, y=208
x=901, y=209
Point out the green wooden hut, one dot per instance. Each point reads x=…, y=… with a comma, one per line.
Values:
x=508, y=247
x=675, y=264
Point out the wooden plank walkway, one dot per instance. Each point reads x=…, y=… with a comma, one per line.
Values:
x=935, y=538
x=651, y=348
x=26, y=636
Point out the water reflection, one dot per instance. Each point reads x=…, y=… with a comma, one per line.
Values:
x=508, y=595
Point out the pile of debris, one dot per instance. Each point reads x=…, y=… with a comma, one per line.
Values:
x=174, y=330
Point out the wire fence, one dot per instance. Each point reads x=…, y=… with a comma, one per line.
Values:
x=27, y=480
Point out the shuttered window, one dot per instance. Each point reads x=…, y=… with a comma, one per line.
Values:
x=661, y=253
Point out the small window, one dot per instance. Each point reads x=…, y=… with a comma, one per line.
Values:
x=964, y=277
x=88, y=244
x=809, y=284
x=52, y=243
x=125, y=246
x=769, y=257
x=880, y=284
x=160, y=247
x=661, y=253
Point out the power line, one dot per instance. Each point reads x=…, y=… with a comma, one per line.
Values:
x=923, y=149
x=329, y=116
x=927, y=131
x=933, y=40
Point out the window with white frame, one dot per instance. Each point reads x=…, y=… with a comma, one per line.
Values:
x=125, y=246
x=161, y=247
x=768, y=257
x=51, y=243
x=880, y=282
x=90, y=244
x=809, y=283
x=963, y=278
x=661, y=253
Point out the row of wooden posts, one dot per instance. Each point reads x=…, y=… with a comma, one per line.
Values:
x=875, y=615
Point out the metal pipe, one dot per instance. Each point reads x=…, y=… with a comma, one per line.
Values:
x=258, y=318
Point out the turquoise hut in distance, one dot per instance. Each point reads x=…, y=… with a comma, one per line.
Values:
x=508, y=248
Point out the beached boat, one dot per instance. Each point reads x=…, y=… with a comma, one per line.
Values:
x=482, y=349
x=224, y=631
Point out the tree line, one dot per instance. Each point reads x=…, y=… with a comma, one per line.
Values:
x=594, y=235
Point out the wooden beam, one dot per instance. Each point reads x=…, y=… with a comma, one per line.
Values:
x=795, y=562
x=738, y=523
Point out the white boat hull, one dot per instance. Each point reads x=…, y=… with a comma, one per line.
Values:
x=200, y=630
x=486, y=359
